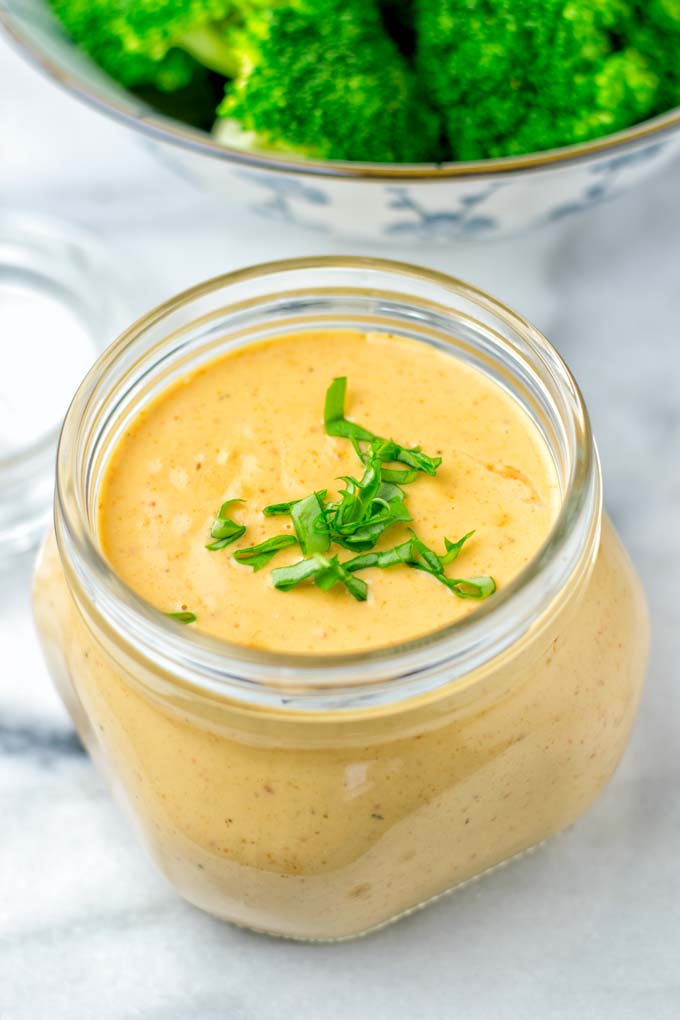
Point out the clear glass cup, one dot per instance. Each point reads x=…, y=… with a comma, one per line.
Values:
x=61, y=301
x=319, y=798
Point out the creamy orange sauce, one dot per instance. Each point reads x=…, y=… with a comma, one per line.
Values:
x=250, y=425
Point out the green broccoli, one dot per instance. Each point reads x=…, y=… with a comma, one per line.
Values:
x=655, y=33
x=163, y=43
x=322, y=78
x=517, y=76
x=397, y=16
x=391, y=80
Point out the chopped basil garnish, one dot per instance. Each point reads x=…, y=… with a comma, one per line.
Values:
x=386, y=451
x=284, y=509
x=334, y=414
x=183, y=617
x=224, y=530
x=386, y=558
x=258, y=556
x=365, y=508
x=470, y=587
x=415, y=553
x=285, y=578
x=453, y=548
x=326, y=572
x=279, y=509
x=310, y=524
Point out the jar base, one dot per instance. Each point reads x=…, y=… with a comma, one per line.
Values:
x=397, y=917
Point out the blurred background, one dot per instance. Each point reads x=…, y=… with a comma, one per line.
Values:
x=589, y=925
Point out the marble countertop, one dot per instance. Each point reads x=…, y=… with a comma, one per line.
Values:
x=588, y=926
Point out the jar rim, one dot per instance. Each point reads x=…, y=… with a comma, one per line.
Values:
x=347, y=679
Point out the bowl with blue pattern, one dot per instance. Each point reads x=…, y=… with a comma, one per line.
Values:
x=427, y=203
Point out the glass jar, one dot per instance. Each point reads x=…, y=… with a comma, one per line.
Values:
x=318, y=798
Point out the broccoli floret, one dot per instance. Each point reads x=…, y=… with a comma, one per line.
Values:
x=655, y=33
x=153, y=42
x=397, y=16
x=322, y=78
x=392, y=80
x=194, y=104
x=517, y=76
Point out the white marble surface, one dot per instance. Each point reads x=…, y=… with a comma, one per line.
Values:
x=588, y=927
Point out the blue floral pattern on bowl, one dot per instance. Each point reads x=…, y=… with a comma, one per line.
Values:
x=451, y=210
x=611, y=182
x=281, y=195
x=466, y=218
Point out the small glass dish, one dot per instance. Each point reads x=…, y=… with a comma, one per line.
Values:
x=59, y=307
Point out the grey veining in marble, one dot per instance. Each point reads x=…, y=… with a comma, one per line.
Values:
x=589, y=926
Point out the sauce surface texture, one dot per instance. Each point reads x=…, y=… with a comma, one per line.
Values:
x=250, y=425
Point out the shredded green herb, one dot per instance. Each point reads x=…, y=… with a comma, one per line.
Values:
x=285, y=578
x=325, y=572
x=279, y=509
x=453, y=548
x=470, y=587
x=414, y=553
x=426, y=559
x=310, y=524
x=399, y=554
x=258, y=556
x=365, y=508
x=224, y=530
x=183, y=617
x=284, y=509
x=384, y=450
